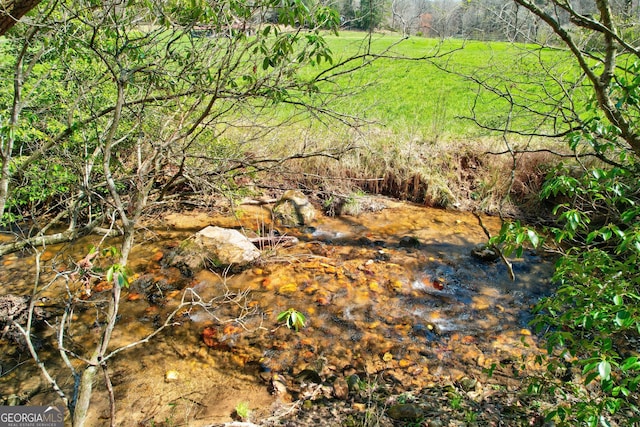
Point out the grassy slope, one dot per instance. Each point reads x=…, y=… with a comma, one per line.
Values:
x=415, y=131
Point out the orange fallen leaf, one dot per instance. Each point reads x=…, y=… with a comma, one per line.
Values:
x=102, y=286
x=134, y=296
x=209, y=336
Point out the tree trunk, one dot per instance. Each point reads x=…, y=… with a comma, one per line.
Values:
x=84, y=396
x=6, y=150
x=88, y=376
x=12, y=10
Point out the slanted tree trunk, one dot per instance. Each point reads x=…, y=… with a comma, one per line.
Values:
x=599, y=77
x=50, y=239
x=12, y=10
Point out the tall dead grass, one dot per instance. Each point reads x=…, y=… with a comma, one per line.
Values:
x=463, y=174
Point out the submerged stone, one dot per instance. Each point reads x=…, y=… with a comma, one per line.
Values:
x=405, y=412
x=484, y=253
x=171, y=376
x=409, y=242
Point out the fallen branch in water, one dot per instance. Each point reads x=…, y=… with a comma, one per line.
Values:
x=49, y=239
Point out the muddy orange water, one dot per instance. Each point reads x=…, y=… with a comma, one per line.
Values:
x=393, y=295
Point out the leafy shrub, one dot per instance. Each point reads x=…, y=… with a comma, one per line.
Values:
x=40, y=186
x=592, y=322
x=594, y=317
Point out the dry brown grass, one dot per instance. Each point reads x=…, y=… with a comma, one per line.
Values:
x=466, y=175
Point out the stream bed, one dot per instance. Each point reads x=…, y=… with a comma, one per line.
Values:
x=392, y=296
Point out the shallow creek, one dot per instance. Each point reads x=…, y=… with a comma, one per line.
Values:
x=391, y=296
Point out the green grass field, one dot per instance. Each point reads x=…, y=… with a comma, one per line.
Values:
x=416, y=99
x=406, y=95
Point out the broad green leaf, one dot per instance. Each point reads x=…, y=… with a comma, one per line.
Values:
x=623, y=319
x=122, y=281
x=620, y=390
x=588, y=367
x=630, y=363
x=589, y=378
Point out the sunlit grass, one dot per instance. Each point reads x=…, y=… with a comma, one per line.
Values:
x=418, y=117
x=408, y=93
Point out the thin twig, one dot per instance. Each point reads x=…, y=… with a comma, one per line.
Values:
x=504, y=259
x=112, y=399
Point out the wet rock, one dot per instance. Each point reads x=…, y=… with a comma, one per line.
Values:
x=382, y=255
x=293, y=209
x=364, y=241
x=216, y=245
x=134, y=296
x=102, y=286
x=187, y=258
x=278, y=385
x=288, y=289
x=328, y=235
x=433, y=328
x=484, y=253
x=409, y=242
x=309, y=376
x=273, y=240
x=226, y=246
x=211, y=339
x=404, y=363
x=353, y=205
x=405, y=412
